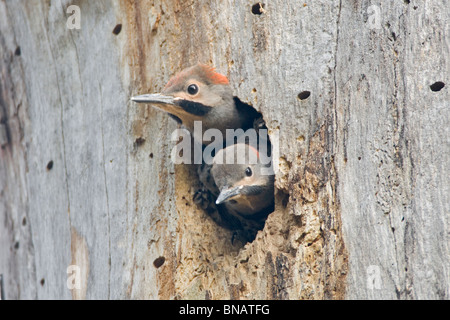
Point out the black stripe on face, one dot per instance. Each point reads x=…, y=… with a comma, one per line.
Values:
x=194, y=108
x=178, y=120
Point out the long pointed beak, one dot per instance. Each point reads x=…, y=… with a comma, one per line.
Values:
x=155, y=98
x=228, y=193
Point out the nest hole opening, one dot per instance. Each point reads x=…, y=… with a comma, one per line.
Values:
x=244, y=227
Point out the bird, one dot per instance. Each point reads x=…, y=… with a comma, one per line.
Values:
x=199, y=93
x=246, y=187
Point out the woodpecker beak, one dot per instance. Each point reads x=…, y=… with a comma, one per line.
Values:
x=173, y=105
x=161, y=102
x=228, y=193
x=155, y=98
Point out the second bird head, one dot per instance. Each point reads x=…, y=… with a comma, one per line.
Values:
x=245, y=183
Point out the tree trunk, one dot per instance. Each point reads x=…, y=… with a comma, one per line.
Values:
x=92, y=207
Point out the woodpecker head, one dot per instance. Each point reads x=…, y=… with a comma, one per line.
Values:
x=197, y=93
x=245, y=184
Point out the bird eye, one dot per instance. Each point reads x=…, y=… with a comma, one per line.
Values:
x=192, y=89
x=248, y=172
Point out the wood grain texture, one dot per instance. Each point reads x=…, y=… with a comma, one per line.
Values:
x=362, y=200
x=394, y=149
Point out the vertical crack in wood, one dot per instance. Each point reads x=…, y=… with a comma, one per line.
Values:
x=106, y=189
x=66, y=180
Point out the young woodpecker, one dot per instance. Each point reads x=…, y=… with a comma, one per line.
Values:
x=246, y=185
x=199, y=93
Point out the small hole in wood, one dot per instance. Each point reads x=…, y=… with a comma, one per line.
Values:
x=18, y=51
x=50, y=165
x=394, y=36
x=159, y=262
x=117, y=29
x=151, y=156
x=258, y=8
x=304, y=95
x=24, y=221
x=437, y=86
x=285, y=200
x=139, y=142
x=16, y=245
x=42, y=282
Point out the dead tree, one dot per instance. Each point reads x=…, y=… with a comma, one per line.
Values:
x=356, y=92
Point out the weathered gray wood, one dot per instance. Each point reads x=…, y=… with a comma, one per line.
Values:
x=362, y=204
x=16, y=253
x=394, y=149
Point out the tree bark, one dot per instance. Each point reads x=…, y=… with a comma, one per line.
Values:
x=353, y=90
